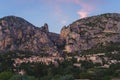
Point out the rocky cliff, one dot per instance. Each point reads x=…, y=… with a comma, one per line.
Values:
x=18, y=34
x=91, y=32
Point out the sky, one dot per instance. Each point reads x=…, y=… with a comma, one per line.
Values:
x=56, y=13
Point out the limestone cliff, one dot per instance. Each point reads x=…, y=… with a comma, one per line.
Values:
x=18, y=34
x=90, y=32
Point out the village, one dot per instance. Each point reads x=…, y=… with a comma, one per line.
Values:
x=95, y=58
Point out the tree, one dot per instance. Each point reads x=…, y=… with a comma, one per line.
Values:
x=85, y=75
x=5, y=75
x=66, y=77
x=22, y=77
x=87, y=64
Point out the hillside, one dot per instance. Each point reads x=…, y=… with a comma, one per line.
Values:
x=18, y=34
x=92, y=32
x=93, y=44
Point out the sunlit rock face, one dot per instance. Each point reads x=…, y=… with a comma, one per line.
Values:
x=90, y=32
x=18, y=34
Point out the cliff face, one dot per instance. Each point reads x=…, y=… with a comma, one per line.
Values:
x=90, y=32
x=18, y=34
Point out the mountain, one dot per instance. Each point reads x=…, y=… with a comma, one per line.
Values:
x=92, y=32
x=18, y=34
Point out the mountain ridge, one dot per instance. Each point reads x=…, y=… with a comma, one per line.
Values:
x=97, y=28
x=18, y=34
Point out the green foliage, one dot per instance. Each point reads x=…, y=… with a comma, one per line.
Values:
x=7, y=59
x=87, y=64
x=100, y=48
x=49, y=77
x=113, y=56
x=5, y=75
x=6, y=63
x=66, y=77
x=35, y=69
x=66, y=70
x=85, y=75
x=106, y=78
x=24, y=77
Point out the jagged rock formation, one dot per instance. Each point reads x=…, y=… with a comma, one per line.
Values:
x=18, y=34
x=92, y=31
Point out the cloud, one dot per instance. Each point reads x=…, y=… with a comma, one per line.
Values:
x=57, y=11
x=82, y=13
x=86, y=9
x=86, y=6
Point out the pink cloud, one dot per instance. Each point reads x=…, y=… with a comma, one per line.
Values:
x=87, y=6
x=82, y=14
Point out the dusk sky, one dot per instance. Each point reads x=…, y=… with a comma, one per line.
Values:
x=56, y=13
